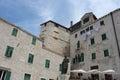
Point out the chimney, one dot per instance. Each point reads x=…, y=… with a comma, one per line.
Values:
x=71, y=23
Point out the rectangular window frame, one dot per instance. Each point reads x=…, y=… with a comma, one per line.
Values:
x=106, y=53
x=104, y=36
x=34, y=41
x=92, y=41
x=9, y=51
x=93, y=56
x=14, y=32
x=30, y=58
x=27, y=76
x=47, y=63
x=102, y=23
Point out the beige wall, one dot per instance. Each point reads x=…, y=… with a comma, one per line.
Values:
x=55, y=38
x=22, y=47
x=104, y=63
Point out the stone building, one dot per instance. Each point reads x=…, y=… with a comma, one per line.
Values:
x=95, y=43
x=24, y=56
x=90, y=44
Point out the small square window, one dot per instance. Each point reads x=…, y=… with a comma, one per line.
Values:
x=9, y=51
x=34, y=41
x=27, y=76
x=91, y=27
x=92, y=41
x=102, y=23
x=104, y=36
x=14, y=32
x=87, y=29
x=82, y=32
x=85, y=20
x=106, y=53
x=30, y=58
x=75, y=35
x=93, y=56
x=47, y=63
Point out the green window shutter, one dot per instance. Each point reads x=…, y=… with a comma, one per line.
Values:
x=9, y=51
x=92, y=41
x=79, y=58
x=93, y=56
x=102, y=23
x=27, y=77
x=78, y=44
x=60, y=67
x=34, y=41
x=8, y=75
x=76, y=59
x=14, y=32
x=82, y=57
x=30, y=58
x=106, y=53
x=43, y=79
x=104, y=36
x=47, y=63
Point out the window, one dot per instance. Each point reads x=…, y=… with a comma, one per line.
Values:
x=5, y=75
x=93, y=56
x=27, y=77
x=43, y=79
x=79, y=58
x=47, y=63
x=30, y=58
x=60, y=67
x=87, y=29
x=75, y=35
x=34, y=41
x=14, y=32
x=106, y=53
x=9, y=51
x=82, y=57
x=73, y=60
x=102, y=23
x=85, y=20
x=76, y=58
x=92, y=41
x=78, y=44
x=104, y=36
x=91, y=27
x=82, y=32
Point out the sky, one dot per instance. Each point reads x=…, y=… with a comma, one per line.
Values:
x=29, y=14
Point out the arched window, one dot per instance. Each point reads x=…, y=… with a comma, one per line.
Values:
x=78, y=44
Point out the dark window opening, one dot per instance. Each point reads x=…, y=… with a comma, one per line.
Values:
x=85, y=20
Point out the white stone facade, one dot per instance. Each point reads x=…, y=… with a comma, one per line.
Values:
x=104, y=63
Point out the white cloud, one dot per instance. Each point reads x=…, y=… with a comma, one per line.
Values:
x=77, y=8
x=100, y=7
x=44, y=11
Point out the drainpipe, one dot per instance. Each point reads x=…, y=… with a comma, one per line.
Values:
x=115, y=33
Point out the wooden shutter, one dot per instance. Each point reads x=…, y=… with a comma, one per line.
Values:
x=8, y=75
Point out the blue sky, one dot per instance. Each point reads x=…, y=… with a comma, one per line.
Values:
x=29, y=14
